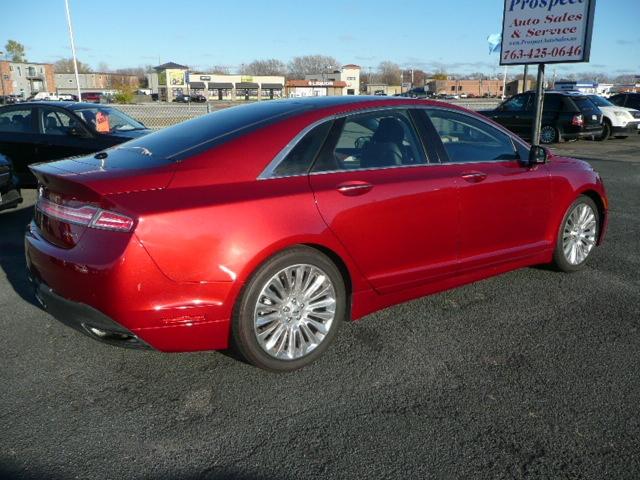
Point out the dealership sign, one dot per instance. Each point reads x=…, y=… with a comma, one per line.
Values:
x=546, y=31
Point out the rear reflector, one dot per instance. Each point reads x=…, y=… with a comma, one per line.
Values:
x=86, y=216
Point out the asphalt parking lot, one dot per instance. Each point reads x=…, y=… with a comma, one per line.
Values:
x=533, y=374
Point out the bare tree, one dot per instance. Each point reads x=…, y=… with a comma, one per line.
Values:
x=65, y=65
x=389, y=73
x=16, y=51
x=219, y=69
x=271, y=66
x=298, y=67
x=103, y=67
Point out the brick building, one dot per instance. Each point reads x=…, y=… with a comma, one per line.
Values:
x=26, y=78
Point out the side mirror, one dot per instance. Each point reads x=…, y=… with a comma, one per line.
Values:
x=537, y=155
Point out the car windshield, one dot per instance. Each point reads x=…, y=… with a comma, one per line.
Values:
x=601, y=102
x=107, y=120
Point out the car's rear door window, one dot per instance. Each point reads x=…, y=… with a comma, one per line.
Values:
x=17, y=120
x=467, y=139
x=379, y=139
x=299, y=160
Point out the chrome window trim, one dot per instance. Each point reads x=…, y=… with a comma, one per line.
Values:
x=267, y=173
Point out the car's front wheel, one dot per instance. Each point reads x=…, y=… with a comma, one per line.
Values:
x=290, y=310
x=577, y=236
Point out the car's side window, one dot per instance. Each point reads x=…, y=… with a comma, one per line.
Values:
x=515, y=104
x=372, y=140
x=299, y=160
x=18, y=120
x=552, y=103
x=467, y=139
x=56, y=122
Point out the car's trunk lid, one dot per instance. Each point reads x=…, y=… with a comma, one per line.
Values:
x=74, y=194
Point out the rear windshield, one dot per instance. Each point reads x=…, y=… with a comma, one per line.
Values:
x=584, y=103
x=197, y=135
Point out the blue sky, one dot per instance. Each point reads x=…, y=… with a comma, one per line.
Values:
x=427, y=34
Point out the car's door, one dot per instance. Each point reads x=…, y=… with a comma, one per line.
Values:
x=62, y=135
x=396, y=214
x=505, y=204
x=18, y=137
x=515, y=114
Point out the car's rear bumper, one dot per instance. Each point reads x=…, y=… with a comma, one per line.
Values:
x=584, y=133
x=9, y=197
x=116, y=287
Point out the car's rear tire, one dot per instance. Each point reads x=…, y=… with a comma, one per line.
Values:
x=577, y=235
x=606, y=131
x=549, y=134
x=290, y=310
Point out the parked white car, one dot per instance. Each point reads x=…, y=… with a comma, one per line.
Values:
x=619, y=122
x=44, y=96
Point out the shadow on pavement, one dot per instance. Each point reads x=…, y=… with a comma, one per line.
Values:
x=11, y=471
x=12, y=227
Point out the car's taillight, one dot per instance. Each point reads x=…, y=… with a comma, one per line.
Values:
x=577, y=121
x=86, y=216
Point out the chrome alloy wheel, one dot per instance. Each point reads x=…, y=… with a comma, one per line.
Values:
x=294, y=311
x=547, y=134
x=579, y=234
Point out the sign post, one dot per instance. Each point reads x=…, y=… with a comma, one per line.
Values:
x=545, y=31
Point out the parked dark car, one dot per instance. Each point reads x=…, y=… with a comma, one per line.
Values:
x=565, y=116
x=9, y=192
x=195, y=98
x=35, y=132
x=10, y=99
x=629, y=100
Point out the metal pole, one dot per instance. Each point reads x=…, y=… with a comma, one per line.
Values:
x=537, y=123
x=504, y=82
x=524, y=80
x=73, y=50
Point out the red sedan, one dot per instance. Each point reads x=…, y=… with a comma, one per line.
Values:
x=264, y=226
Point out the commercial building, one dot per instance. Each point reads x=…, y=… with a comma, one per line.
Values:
x=470, y=88
x=315, y=88
x=172, y=79
x=383, y=89
x=348, y=77
x=102, y=82
x=26, y=78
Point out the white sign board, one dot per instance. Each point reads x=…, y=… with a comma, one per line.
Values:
x=546, y=31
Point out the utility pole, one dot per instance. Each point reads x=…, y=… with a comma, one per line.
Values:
x=524, y=80
x=73, y=50
x=539, y=100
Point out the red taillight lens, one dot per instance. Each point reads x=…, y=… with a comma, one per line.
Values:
x=112, y=221
x=577, y=121
x=86, y=216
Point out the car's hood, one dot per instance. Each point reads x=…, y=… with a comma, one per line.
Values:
x=613, y=110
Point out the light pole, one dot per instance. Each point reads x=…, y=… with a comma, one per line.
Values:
x=73, y=50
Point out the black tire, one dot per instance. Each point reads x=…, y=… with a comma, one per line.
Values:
x=606, y=131
x=549, y=134
x=244, y=337
x=559, y=258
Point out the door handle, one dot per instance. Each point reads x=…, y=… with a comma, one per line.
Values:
x=352, y=189
x=473, y=177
